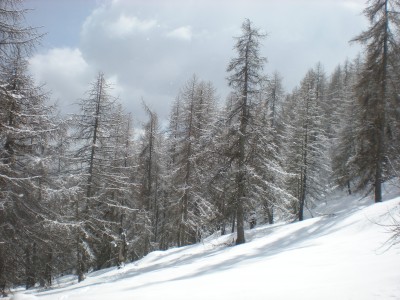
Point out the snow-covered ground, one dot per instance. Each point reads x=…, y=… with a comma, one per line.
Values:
x=340, y=253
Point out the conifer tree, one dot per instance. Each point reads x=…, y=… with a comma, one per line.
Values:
x=245, y=78
x=345, y=120
x=306, y=147
x=149, y=173
x=98, y=162
x=377, y=92
x=190, y=139
x=27, y=129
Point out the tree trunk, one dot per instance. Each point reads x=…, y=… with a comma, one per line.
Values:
x=233, y=222
x=3, y=281
x=30, y=266
x=240, y=239
x=79, y=257
x=241, y=165
x=270, y=212
x=305, y=163
x=94, y=141
x=79, y=251
x=379, y=159
x=348, y=187
x=48, y=271
x=380, y=156
x=188, y=170
x=122, y=244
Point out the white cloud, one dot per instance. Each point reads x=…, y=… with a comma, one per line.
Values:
x=356, y=6
x=125, y=25
x=63, y=60
x=137, y=44
x=182, y=33
x=65, y=72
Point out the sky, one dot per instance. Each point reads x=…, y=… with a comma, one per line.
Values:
x=148, y=49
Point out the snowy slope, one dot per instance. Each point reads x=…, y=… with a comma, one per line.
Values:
x=338, y=254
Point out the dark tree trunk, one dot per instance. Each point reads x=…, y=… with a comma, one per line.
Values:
x=30, y=266
x=241, y=165
x=381, y=113
x=270, y=213
x=240, y=239
x=80, y=268
x=122, y=251
x=304, y=172
x=48, y=271
x=94, y=141
x=348, y=187
x=233, y=222
x=3, y=282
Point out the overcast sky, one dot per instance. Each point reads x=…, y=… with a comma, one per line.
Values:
x=149, y=48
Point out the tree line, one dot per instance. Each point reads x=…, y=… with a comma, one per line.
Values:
x=80, y=193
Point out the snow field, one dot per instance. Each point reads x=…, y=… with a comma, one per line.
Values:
x=342, y=254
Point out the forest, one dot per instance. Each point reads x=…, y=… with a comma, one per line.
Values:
x=87, y=191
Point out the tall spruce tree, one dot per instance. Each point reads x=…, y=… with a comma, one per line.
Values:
x=98, y=162
x=190, y=203
x=270, y=123
x=245, y=78
x=377, y=91
x=149, y=172
x=27, y=128
x=306, y=141
x=345, y=120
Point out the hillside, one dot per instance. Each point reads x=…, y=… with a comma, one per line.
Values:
x=340, y=253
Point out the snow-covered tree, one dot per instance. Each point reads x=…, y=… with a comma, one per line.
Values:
x=191, y=119
x=245, y=78
x=306, y=141
x=377, y=91
x=274, y=97
x=98, y=162
x=27, y=129
x=343, y=116
x=149, y=182
x=269, y=119
x=15, y=34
